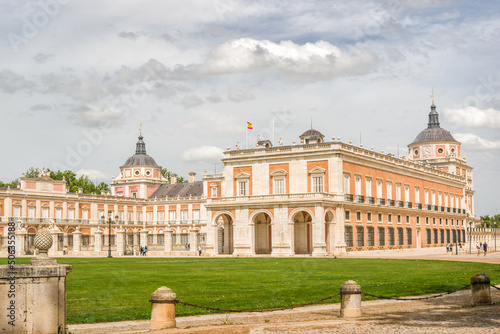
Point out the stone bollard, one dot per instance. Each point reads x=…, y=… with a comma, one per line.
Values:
x=480, y=289
x=350, y=305
x=162, y=308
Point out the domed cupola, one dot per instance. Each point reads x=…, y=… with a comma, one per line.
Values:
x=140, y=175
x=311, y=136
x=433, y=142
x=140, y=158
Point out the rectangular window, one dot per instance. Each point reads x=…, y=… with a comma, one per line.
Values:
x=161, y=216
x=196, y=216
x=139, y=216
x=399, y=219
x=347, y=215
x=318, y=184
x=242, y=188
x=71, y=213
x=426, y=196
x=160, y=239
x=389, y=190
x=130, y=215
x=379, y=188
x=368, y=187
x=347, y=184
x=17, y=211
x=435, y=236
x=358, y=216
x=149, y=216
x=440, y=198
x=85, y=240
x=360, y=236
x=358, y=185
x=172, y=216
x=381, y=236
x=400, y=236
x=31, y=212
x=279, y=186
x=407, y=219
x=390, y=236
x=441, y=232
x=214, y=192
x=348, y=236
x=379, y=217
x=369, y=217
x=184, y=216
x=418, y=220
x=389, y=218
x=85, y=214
x=371, y=236
x=426, y=220
x=184, y=239
x=398, y=191
x=429, y=237
x=407, y=193
x=408, y=236
x=58, y=213
x=417, y=195
x=447, y=236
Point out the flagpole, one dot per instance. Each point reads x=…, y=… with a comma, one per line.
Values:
x=246, y=135
x=273, y=130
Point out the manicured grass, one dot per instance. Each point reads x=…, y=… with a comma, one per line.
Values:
x=101, y=289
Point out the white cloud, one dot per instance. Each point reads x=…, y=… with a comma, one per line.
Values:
x=191, y=101
x=91, y=116
x=11, y=82
x=203, y=154
x=474, y=117
x=239, y=96
x=94, y=175
x=473, y=141
x=308, y=62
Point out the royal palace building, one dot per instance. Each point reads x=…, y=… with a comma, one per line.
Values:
x=314, y=197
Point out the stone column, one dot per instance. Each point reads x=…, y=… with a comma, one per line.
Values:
x=168, y=241
x=318, y=232
x=77, y=244
x=136, y=243
x=120, y=241
x=350, y=305
x=144, y=237
x=98, y=241
x=55, y=241
x=162, y=308
x=480, y=289
x=21, y=241
x=193, y=241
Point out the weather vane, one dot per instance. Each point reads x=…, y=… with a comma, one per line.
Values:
x=140, y=129
x=432, y=95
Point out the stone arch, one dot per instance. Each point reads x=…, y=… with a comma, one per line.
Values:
x=262, y=221
x=224, y=222
x=302, y=231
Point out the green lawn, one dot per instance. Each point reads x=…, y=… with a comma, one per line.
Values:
x=101, y=289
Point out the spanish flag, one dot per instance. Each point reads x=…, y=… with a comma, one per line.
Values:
x=249, y=125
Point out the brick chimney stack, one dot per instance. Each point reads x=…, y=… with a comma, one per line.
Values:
x=191, y=177
x=173, y=178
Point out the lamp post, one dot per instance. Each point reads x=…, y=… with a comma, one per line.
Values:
x=495, y=224
x=109, y=232
x=470, y=236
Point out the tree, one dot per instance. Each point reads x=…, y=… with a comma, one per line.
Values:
x=32, y=173
x=12, y=184
x=166, y=174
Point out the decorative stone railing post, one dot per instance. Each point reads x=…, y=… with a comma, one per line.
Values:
x=168, y=241
x=350, y=304
x=120, y=241
x=77, y=237
x=480, y=289
x=162, y=308
x=98, y=240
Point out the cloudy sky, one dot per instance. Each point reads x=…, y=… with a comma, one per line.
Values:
x=78, y=77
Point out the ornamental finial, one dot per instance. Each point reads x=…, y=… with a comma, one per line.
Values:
x=432, y=95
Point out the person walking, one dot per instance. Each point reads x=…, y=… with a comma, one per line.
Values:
x=199, y=250
x=485, y=248
x=479, y=248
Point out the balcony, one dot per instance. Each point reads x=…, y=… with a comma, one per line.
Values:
x=348, y=197
x=401, y=204
x=391, y=202
x=370, y=200
x=381, y=201
x=360, y=198
x=409, y=205
x=419, y=206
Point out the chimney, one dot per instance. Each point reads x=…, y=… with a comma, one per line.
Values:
x=80, y=190
x=173, y=178
x=191, y=177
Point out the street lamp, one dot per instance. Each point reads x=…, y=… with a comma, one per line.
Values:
x=495, y=223
x=109, y=231
x=470, y=236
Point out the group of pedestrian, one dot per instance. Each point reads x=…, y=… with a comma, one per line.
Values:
x=481, y=247
x=144, y=251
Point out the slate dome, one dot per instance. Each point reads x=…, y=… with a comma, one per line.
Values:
x=140, y=158
x=434, y=133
